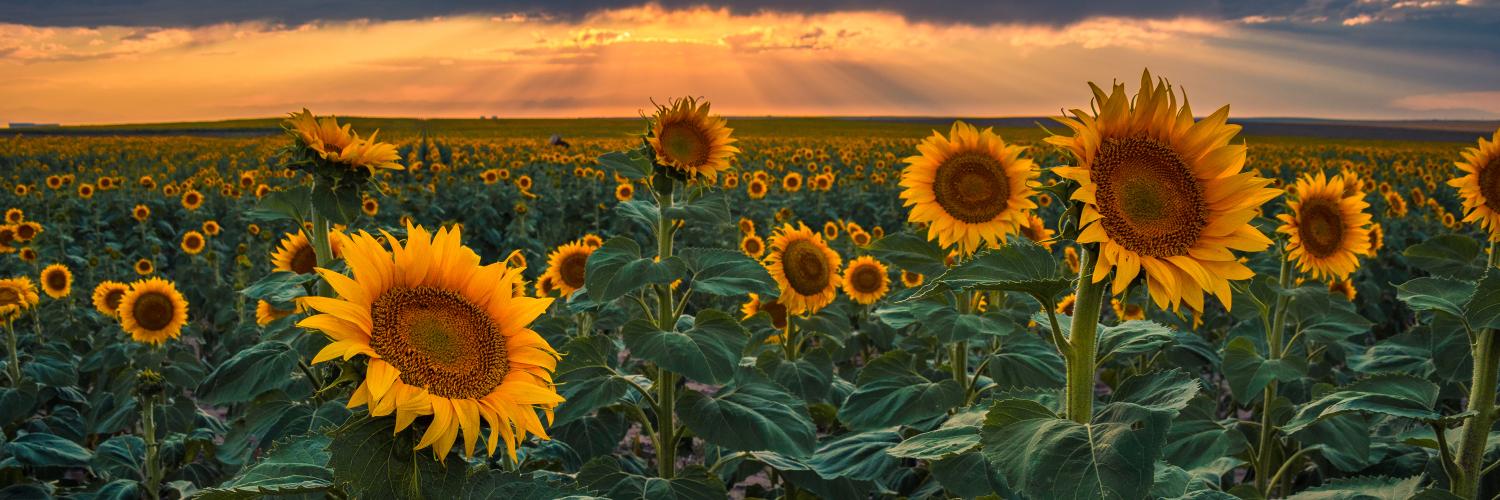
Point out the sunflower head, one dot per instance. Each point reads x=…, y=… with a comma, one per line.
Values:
x=266, y=313
x=866, y=280
x=57, y=281
x=970, y=188
x=16, y=295
x=566, y=266
x=772, y=308
x=753, y=246
x=910, y=279
x=107, y=297
x=14, y=216
x=805, y=269
x=1479, y=184
x=193, y=242
x=624, y=192
x=756, y=189
x=192, y=199
x=1327, y=227
x=141, y=213
x=1163, y=195
x=444, y=336
x=295, y=254
x=687, y=139
x=152, y=311
x=144, y=267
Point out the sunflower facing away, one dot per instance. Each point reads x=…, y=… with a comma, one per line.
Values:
x=57, y=281
x=805, y=269
x=152, y=311
x=16, y=295
x=1327, y=228
x=866, y=280
x=970, y=188
x=107, y=297
x=684, y=137
x=444, y=337
x=1480, y=184
x=565, y=266
x=1162, y=194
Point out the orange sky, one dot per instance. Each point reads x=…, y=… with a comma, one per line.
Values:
x=611, y=63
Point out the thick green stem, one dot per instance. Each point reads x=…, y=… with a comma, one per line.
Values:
x=1482, y=402
x=14, y=367
x=666, y=383
x=153, y=448
x=1083, y=340
x=1266, y=449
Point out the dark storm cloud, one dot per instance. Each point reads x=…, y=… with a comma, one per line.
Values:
x=295, y=12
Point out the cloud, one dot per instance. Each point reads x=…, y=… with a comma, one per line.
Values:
x=1485, y=101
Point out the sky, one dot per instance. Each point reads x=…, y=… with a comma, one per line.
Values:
x=128, y=61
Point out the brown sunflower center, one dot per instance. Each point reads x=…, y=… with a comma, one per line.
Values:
x=57, y=280
x=1489, y=183
x=684, y=143
x=972, y=187
x=440, y=341
x=573, y=267
x=867, y=279
x=112, y=298
x=153, y=311
x=9, y=296
x=805, y=267
x=777, y=312
x=304, y=259
x=752, y=245
x=1321, y=226
x=1151, y=202
x=193, y=241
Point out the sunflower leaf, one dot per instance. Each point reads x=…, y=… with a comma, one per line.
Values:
x=891, y=393
x=911, y=252
x=1020, y=266
x=1450, y=255
x=727, y=273
x=1249, y=372
x=1396, y=395
x=1044, y=456
x=617, y=268
x=631, y=165
x=753, y=415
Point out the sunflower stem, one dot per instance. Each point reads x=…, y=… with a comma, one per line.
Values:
x=1266, y=448
x=1082, y=342
x=319, y=238
x=153, y=448
x=1486, y=351
x=666, y=383
x=14, y=367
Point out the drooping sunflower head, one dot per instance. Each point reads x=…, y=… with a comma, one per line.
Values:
x=566, y=266
x=1343, y=288
x=1479, y=185
x=295, y=254
x=970, y=188
x=16, y=295
x=806, y=270
x=444, y=336
x=152, y=311
x=686, y=138
x=1326, y=230
x=192, y=242
x=57, y=281
x=107, y=297
x=866, y=280
x=1163, y=195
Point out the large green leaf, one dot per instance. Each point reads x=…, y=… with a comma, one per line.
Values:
x=808, y=377
x=1026, y=361
x=1362, y=488
x=251, y=372
x=1394, y=395
x=1248, y=372
x=1446, y=295
x=604, y=475
x=279, y=287
x=1044, y=456
x=727, y=273
x=709, y=209
x=617, y=268
x=297, y=465
x=1019, y=266
x=1445, y=255
x=1165, y=392
x=1483, y=310
x=706, y=353
x=860, y=456
x=630, y=164
x=891, y=393
x=289, y=203
x=121, y=457
x=938, y=444
x=587, y=378
x=39, y=449
x=751, y=416
x=1132, y=338
x=368, y=461
x=949, y=325
x=911, y=252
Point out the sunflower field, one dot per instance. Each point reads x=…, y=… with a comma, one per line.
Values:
x=1132, y=301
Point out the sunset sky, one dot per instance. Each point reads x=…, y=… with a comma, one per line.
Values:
x=161, y=60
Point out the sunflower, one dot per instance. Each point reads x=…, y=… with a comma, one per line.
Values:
x=866, y=280
x=85, y=191
x=831, y=230
x=153, y=311
x=566, y=266
x=192, y=199
x=792, y=182
x=624, y=192
x=28, y=254
x=490, y=176
x=444, y=337
x=1377, y=237
x=14, y=216
x=192, y=242
x=1036, y=230
x=524, y=182
x=910, y=279
x=860, y=238
x=731, y=181
x=971, y=188
x=805, y=269
x=746, y=226
x=774, y=309
x=1326, y=230
x=756, y=189
x=107, y=297
x=295, y=254
x=144, y=267
x=211, y=228
x=141, y=213
x=57, y=281
x=1126, y=311
x=1480, y=184
x=544, y=286
x=16, y=295
x=27, y=231
x=1163, y=195
x=340, y=145
x=1344, y=288
x=685, y=138
x=753, y=246
x=1065, y=306
x=370, y=206
x=265, y=313
x=516, y=259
